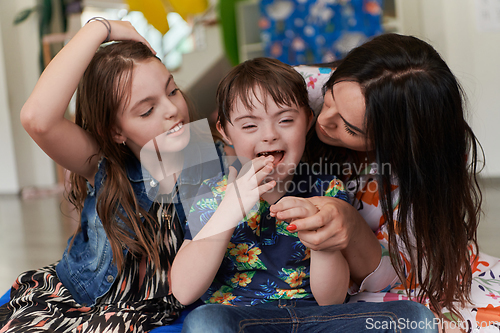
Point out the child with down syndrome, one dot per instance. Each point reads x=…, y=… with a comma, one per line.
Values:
x=243, y=255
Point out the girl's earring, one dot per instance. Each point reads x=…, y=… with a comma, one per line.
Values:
x=123, y=143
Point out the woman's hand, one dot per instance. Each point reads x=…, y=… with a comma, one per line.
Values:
x=322, y=223
x=336, y=226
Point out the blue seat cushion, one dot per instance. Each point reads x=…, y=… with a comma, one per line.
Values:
x=5, y=298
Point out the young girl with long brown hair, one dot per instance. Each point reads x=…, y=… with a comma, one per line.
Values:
x=114, y=274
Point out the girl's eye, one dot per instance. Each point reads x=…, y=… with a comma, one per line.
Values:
x=147, y=113
x=174, y=92
x=348, y=130
x=248, y=127
x=288, y=120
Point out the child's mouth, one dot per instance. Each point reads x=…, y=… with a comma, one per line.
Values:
x=278, y=155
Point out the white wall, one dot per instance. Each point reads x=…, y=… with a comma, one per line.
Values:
x=202, y=70
x=8, y=173
x=20, y=51
x=473, y=56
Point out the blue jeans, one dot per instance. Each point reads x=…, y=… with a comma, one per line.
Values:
x=302, y=316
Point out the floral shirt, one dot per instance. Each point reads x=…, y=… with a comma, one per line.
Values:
x=263, y=261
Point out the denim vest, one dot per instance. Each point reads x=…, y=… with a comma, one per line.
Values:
x=87, y=270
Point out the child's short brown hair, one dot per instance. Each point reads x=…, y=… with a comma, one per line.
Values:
x=285, y=85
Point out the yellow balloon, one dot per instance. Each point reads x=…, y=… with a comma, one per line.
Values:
x=186, y=7
x=154, y=12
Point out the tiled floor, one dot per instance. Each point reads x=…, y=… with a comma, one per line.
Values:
x=33, y=233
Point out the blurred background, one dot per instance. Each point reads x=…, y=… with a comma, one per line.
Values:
x=199, y=41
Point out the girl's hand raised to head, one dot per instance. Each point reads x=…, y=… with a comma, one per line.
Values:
x=43, y=113
x=123, y=30
x=118, y=30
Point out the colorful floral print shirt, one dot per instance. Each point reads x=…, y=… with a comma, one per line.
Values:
x=263, y=261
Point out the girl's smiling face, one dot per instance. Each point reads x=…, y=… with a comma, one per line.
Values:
x=341, y=121
x=156, y=110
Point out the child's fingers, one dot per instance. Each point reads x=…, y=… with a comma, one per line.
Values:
x=144, y=41
x=266, y=187
x=254, y=166
x=292, y=214
x=254, y=172
x=124, y=30
x=232, y=174
x=293, y=208
x=263, y=173
x=284, y=204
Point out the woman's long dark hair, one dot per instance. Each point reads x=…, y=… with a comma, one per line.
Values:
x=416, y=121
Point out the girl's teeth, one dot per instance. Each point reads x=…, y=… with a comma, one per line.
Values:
x=175, y=129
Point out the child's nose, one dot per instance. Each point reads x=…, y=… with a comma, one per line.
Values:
x=270, y=134
x=170, y=109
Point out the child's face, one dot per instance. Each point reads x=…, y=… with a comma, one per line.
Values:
x=156, y=109
x=281, y=131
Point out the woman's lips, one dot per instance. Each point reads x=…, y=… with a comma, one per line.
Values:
x=323, y=131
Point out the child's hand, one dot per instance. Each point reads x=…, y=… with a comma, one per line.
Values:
x=121, y=30
x=293, y=208
x=241, y=195
x=244, y=191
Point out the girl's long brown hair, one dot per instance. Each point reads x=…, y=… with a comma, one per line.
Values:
x=416, y=120
x=103, y=89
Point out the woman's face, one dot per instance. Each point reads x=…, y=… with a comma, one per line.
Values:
x=341, y=121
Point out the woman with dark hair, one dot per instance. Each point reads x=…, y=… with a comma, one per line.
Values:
x=393, y=126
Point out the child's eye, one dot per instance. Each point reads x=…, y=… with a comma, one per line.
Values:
x=174, y=92
x=248, y=127
x=349, y=131
x=147, y=113
x=287, y=120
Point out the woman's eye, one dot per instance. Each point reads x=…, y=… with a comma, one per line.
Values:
x=147, y=113
x=349, y=131
x=174, y=92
